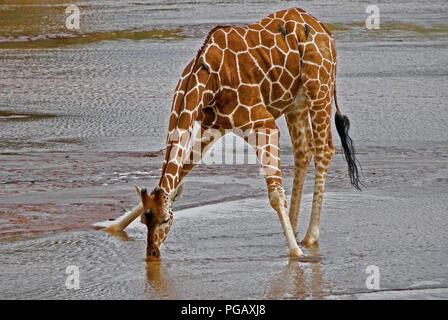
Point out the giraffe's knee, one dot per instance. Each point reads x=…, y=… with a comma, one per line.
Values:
x=322, y=163
x=326, y=157
x=323, y=151
x=322, y=159
x=277, y=199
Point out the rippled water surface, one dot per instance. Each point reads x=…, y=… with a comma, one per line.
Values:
x=80, y=110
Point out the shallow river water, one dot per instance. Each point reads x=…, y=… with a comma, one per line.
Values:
x=80, y=110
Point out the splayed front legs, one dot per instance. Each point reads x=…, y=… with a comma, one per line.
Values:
x=203, y=141
x=124, y=221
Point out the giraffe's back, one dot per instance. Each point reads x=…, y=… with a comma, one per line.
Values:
x=259, y=65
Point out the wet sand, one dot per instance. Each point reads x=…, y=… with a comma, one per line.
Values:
x=80, y=112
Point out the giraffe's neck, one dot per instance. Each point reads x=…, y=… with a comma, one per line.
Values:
x=194, y=90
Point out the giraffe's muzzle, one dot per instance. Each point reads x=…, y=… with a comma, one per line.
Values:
x=152, y=253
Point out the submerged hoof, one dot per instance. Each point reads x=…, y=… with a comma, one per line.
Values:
x=295, y=253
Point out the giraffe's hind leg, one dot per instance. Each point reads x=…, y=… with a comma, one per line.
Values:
x=301, y=140
x=323, y=153
x=317, y=75
x=265, y=142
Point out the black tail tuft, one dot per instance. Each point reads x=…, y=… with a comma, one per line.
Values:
x=342, y=126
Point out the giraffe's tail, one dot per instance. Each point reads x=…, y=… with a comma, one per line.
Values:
x=342, y=126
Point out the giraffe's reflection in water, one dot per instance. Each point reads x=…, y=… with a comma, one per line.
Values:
x=160, y=286
x=299, y=280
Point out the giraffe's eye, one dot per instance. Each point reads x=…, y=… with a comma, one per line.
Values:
x=166, y=221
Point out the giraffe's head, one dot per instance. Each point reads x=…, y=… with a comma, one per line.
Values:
x=158, y=217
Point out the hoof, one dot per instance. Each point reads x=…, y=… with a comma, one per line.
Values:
x=114, y=227
x=120, y=234
x=308, y=242
x=295, y=253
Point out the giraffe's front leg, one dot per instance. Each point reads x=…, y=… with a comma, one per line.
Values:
x=265, y=143
x=278, y=202
x=123, y=222
x=202, y=143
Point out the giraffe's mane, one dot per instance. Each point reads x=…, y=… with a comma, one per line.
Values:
x=195, y=63
x=209, y=35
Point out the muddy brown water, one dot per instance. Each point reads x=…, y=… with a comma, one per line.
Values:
x=79, y=112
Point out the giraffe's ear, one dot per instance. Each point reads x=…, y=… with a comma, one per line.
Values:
x=177, y=194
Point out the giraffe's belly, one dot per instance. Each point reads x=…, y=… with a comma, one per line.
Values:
x=227, y=114
x=278, y=107
x=277, y=111
x=280, y=94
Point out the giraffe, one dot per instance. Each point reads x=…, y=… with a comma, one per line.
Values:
x=242, y=79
